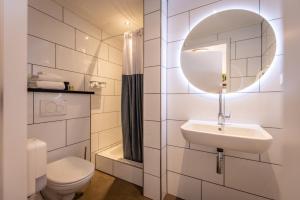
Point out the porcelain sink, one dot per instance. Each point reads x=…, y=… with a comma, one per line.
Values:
x=249, y=138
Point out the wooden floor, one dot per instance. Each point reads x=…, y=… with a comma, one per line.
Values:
x=106, y=187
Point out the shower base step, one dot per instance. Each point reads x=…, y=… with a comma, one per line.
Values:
x=111, y=161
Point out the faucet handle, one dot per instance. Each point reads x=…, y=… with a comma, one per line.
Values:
x=227, y=116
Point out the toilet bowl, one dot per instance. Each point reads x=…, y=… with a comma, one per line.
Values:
x=67, y=176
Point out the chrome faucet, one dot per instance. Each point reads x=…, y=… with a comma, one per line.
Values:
x=222, y=116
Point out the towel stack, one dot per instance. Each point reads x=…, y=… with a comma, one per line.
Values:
x=46, y=80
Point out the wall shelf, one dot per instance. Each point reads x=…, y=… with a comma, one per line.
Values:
x=59, y=91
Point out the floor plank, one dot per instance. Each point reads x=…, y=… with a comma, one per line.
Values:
x=106, y=187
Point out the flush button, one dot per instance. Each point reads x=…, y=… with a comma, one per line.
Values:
x=57, y=107
x=50, y=107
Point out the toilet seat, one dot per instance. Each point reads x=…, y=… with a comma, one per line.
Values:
x=67, y=176
x=66, y=188
x=69, y=171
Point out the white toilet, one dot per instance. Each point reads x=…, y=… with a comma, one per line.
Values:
x=67, y=176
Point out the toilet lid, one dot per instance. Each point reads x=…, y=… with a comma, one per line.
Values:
x=69, y=170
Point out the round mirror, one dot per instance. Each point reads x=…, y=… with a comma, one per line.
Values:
x=230, y=50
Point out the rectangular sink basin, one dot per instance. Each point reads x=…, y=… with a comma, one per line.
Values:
x=250, y=138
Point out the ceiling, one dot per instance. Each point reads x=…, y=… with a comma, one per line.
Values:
x=112, y=16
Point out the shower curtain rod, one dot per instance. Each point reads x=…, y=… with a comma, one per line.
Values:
x=120, y=35
x=114, y=36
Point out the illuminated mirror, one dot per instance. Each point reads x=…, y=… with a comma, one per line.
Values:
x=233, y=49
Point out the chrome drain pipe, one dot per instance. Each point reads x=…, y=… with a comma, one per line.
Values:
x=220, y=160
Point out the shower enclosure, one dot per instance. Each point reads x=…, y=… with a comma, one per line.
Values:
x=117, y=109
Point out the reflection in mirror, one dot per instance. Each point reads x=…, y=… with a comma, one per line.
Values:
x=233, y=48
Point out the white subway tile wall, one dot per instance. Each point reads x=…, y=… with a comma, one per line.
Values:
x=152, y=53
x=183, y=186
x=151, y=6
x=67, y=134
x=152, y=134
x=87, y=44
x=174, y=49
x=77, y=149
x=175, y=138
x=152, y=161
x=49, y=7
x=191, y=168
x=41, y=52
x=217, y=192
x=178, y=6
x=43, y=26
x=53, y=133
x=76, y=79
x=174, y=32
x=271, y=9
x=191, y=163
x=176, y=81
x=77, y=22
x=155, y=99
x=61, y=42
x=253, y=177
x=152, y=107
x=104, y=121
x=70, y=60
x=78, y=130
x=109, y=137
x=152, y=79
x=110, y=70
x=151, y=186
x=152, y=25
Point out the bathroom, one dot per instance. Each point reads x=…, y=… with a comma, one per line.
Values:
x=106, y=102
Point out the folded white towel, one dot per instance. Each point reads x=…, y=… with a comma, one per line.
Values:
x=45, y=76
x=46, y=85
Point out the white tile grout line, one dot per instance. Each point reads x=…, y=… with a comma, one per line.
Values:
x=108, y=129
x=63, y=21
x=91, y=75
x=76, y=143
x=195, y=8
x=60, y=120
x=143, y=99
x=90, y=55
x=145, y=14
x=152, y=39
x=160, y=101
x=66, y=124
x=74, y=49
x=214, y=153
x=207, y=181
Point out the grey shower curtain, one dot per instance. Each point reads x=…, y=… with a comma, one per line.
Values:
x=132, y=96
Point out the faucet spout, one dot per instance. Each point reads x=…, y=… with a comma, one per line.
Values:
x=221, y=115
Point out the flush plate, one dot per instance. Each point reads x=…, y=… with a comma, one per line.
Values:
x=57, y=107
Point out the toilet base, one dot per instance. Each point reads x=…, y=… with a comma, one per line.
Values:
x=49, y=194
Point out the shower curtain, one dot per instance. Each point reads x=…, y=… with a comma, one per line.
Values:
x=132, y=96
